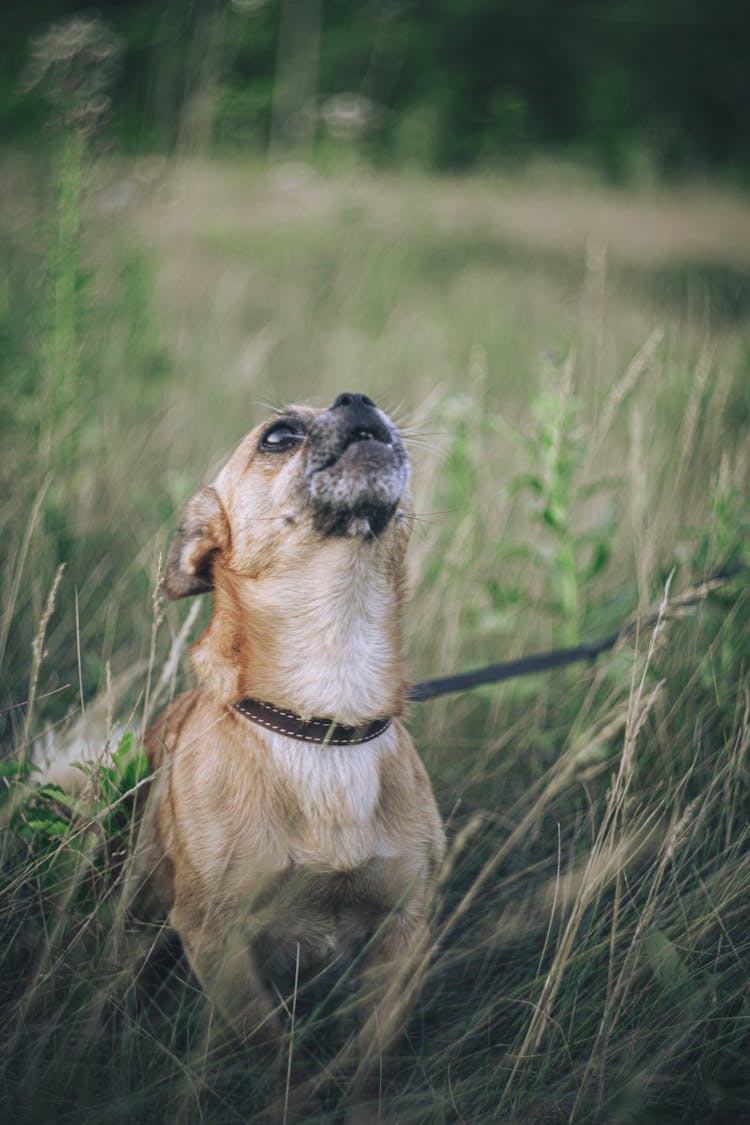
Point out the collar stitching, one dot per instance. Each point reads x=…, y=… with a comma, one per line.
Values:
x=371, y=730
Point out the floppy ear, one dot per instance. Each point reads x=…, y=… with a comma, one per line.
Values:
x=203, y=529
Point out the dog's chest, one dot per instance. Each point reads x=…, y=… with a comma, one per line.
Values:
x=339, y=871
x=330, y=797
x=321, y=916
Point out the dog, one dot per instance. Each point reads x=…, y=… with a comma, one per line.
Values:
x=291, y=823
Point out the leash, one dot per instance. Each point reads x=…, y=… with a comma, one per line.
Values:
x=559, y=658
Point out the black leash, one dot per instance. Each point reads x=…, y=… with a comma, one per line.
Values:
x=559, y=658
x=526, y=666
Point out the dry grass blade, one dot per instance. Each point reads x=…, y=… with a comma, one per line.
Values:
x=637, y=367
x=38, y=656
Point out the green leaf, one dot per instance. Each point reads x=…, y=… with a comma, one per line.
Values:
x=125, y=746
x=49, y=826
x=599, y=559
x=13, y=768
x=130, y=762
x=523, y=481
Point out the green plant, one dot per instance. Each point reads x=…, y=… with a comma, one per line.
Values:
x=569, y=559
x=74, y=837
x=72, y=64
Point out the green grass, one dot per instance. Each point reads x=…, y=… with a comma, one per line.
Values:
x=571, y=367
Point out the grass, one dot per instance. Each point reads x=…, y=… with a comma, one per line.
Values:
x=571, y=365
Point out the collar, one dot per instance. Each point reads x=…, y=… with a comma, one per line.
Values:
x=323, y=732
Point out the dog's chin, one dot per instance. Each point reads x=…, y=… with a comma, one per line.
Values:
x=358, y=494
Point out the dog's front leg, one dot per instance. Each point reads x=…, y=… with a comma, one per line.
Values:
x=391, y=980
x=220, y=954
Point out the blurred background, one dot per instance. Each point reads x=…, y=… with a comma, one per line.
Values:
x=524, y=230
x=636, y=88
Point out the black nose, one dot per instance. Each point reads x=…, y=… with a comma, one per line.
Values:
x=352, y=400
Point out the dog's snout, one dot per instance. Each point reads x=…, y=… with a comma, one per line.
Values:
x=355, y=468
x=348, y=399
x=357, y=418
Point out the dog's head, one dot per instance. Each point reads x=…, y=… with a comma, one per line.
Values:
x=302, y=477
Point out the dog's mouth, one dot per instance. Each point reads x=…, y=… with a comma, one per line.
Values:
x=356, y=468
x=360, y=435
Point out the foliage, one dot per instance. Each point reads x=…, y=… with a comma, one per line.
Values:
x=634, y=86
x=59, y=828
x=569, y=559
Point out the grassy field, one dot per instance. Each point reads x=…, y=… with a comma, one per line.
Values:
x=571, y=365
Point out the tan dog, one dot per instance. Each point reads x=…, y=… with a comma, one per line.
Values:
x=268, y=849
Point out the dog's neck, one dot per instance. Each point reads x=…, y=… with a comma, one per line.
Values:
x=321, y=638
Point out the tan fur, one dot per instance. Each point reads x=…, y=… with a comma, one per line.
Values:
x=260, y=846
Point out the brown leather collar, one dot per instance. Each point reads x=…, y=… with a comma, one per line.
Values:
x=323, y=732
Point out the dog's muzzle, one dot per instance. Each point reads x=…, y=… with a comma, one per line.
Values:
x=356, y=468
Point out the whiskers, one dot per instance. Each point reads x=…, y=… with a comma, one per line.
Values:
x=426, y=441
x=281, y=406
x=274, y=405
x=411, y=429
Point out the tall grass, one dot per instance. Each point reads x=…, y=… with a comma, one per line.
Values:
x=574, y=391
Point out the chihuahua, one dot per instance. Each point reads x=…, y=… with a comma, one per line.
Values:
x=290, y=822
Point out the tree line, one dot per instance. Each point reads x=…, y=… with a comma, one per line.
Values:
x=443, y=83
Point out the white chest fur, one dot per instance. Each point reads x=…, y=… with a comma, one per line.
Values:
x=335, y=793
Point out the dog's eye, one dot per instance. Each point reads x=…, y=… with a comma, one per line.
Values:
x=280, y=437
